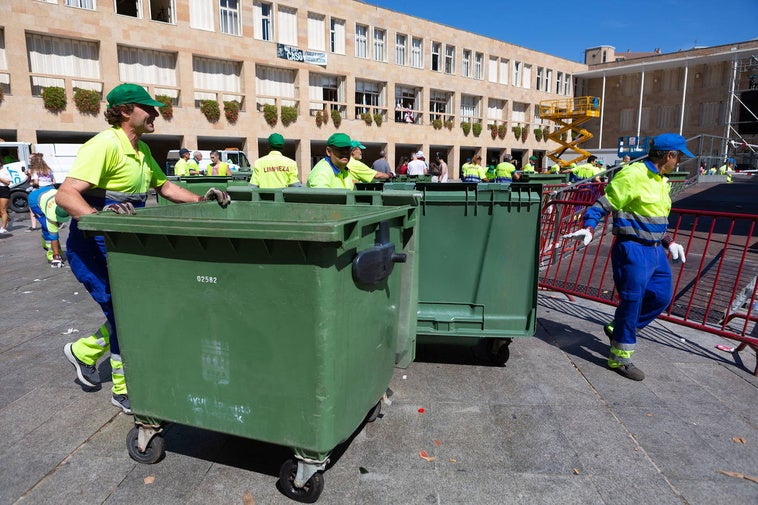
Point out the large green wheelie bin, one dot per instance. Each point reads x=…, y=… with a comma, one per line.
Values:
x=200, y=184
x=272, y=321
x=478, y=266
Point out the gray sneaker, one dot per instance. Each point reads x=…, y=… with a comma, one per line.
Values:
x=630, y=372
x=87, y=374
x=122, y=402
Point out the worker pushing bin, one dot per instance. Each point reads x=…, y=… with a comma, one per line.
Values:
x=282, y=327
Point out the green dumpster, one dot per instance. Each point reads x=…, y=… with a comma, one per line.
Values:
x=405, y=339
x=544, y=178
x=273, y=321
x=200, y=184
x=478, y=264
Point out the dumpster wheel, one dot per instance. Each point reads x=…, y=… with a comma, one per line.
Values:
x=373, y=414
x=309, y=493
x=154, y=450
x=495, y=350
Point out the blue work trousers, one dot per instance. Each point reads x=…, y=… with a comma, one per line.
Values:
x=643, y=281
x=87, y=260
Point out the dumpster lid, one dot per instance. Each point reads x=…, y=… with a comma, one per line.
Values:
x=250, y=220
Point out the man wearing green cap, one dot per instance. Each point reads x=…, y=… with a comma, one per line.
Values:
x=275, y=170
x=359, y=170
x=332, y=171
x=529, y=167
x=113, y=171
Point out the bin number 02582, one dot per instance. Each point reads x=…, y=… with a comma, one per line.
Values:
x=206, y=279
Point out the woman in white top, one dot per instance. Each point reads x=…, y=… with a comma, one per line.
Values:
x=41, y=176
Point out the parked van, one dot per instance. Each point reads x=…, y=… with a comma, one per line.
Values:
x=236, y=159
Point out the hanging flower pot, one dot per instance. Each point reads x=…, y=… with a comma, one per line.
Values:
x=476, y=129
x=54, y=99
x=87, y=101
x=167, y=109
x=378, y=118
x=289, y=114
x=232, y=111
x=466, y=127
x=270, y=115
x=210, y=110
x=336, y=118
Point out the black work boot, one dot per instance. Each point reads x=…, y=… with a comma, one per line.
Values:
x=630, y=372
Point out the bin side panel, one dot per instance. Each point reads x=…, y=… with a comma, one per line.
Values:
x=478, y=272
x=269, y=340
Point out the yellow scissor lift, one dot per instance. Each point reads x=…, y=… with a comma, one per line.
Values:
x=570, y=114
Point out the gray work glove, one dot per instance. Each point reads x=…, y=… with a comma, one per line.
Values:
x=677, y=252
x=584, y=235
x=222, y=197
x=125, y=208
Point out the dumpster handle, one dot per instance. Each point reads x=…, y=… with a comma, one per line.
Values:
x=373, y=265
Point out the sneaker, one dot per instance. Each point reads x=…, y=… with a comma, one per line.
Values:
x=3, y=231
x=87, y=374
x=630, y=372
x=122, y=402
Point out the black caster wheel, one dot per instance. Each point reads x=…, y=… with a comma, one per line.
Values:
x=500, y=358
x=154, y=451
x=373, y=414
x=306, y=494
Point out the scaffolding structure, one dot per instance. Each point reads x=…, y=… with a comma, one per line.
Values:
x=744, y=78
x=570, y=114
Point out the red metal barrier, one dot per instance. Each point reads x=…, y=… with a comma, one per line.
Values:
x=715, y=291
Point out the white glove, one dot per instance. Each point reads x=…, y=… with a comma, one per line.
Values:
x=57, y=262
x=677, y=252
x=584, y=235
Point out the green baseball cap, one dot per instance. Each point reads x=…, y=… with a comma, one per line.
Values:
x=357, y=144
x=131, y=93
x=276, y=141
x=339, y=140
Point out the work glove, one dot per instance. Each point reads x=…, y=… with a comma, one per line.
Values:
x=125, y=208
x=57, y=261
x=584, y=235
x=677, y=252
x=222, y=197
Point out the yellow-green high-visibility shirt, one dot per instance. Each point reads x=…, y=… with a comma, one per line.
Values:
x=182, y=167
x=119, y=173
x=360, y=171
x=221, y=169
x=326, y=175
x=505, y=170
x=274, y=170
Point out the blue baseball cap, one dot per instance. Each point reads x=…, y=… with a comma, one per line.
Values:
x=671, y=142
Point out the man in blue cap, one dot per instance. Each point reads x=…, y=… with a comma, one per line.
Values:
x=113, y=171
x=641, y=270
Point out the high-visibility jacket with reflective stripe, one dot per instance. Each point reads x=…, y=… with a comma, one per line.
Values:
x=472, y=172
x=638, y=197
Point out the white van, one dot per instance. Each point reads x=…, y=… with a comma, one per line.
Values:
x=236, y=159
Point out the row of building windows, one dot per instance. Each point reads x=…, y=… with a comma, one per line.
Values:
x=279, y=23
